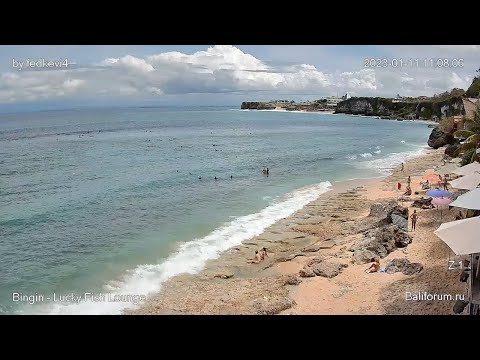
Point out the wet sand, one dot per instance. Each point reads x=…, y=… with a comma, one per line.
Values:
x=324, y=228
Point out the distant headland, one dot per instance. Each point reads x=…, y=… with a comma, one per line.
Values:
x=457, y=102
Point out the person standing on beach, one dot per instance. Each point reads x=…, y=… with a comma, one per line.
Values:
x=445, y=183
x=414, y=218
x=409, y=181
x=402, y=168
x=459, y=216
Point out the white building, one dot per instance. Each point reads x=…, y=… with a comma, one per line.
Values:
x=333, y=101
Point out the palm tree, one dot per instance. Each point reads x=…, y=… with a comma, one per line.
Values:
x=471, y=136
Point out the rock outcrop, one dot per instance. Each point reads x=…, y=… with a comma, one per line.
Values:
x=452, y=150
x=404, y=266
x=307, y=271
x=291, y=280
x=328, y=269
x=439, y=138
x=379, y=242
x=390, y=212
x=320, y=267
x=421, y=202
x=272, y=305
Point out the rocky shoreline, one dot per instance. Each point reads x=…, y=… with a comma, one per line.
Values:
x=322, y=249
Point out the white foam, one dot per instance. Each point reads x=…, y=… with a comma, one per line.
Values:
x=192, y=256
x=386, y=164
x=365, y=155
x=402, y=141
x=378, y=151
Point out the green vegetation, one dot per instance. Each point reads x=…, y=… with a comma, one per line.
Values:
x=468, y=156
x=474, y=89
x=446, y=125
x=472, y=138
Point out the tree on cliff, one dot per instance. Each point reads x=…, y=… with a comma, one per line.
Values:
x=474, y=89
x=472, y=138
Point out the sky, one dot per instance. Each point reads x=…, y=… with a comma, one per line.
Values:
x=210, y=75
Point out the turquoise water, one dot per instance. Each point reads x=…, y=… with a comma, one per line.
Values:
x=111, y=200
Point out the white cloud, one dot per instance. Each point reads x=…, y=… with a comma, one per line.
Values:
x=219, y=69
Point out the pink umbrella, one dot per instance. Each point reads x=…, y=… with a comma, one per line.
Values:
x=441, y=202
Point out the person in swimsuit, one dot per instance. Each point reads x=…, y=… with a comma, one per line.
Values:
x=375, y=266
x=414, y=218
x=263, y=253
x=256, y=259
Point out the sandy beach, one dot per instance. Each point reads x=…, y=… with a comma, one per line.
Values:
x=324, y=231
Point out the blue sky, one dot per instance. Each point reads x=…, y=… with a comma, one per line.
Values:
x=221, y=74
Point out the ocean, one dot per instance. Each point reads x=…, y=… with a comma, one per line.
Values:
x=116, y=201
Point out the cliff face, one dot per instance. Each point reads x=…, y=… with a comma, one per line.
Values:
x=257, y=105
x=386, y=107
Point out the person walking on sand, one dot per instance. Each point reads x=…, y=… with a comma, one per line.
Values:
x=414, y=218
x=409, y=180
x=402, y=168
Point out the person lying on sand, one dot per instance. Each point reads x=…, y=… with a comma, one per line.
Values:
x=375, y=266
x=256, y=259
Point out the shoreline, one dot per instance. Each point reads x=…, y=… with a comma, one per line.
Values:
x=229, y=285
x=330, y=112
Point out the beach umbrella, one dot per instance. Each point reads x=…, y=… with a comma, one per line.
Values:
x=446, y=169
x=440, y=202
x=431, y=177
x=461, y=235
x=468, y=169
x=437, y=193
x=468, y=182
x=470, y=200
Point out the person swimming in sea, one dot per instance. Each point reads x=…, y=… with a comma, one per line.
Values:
x=216, y=178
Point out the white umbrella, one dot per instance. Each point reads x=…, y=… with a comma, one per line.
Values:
x=470, y=200
x=446, y=169
x=468, y=182
x=468, y=169
x=461, y=235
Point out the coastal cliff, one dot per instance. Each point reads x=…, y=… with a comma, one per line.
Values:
x=257, y=105
x=422, y=109
x=317, y=105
